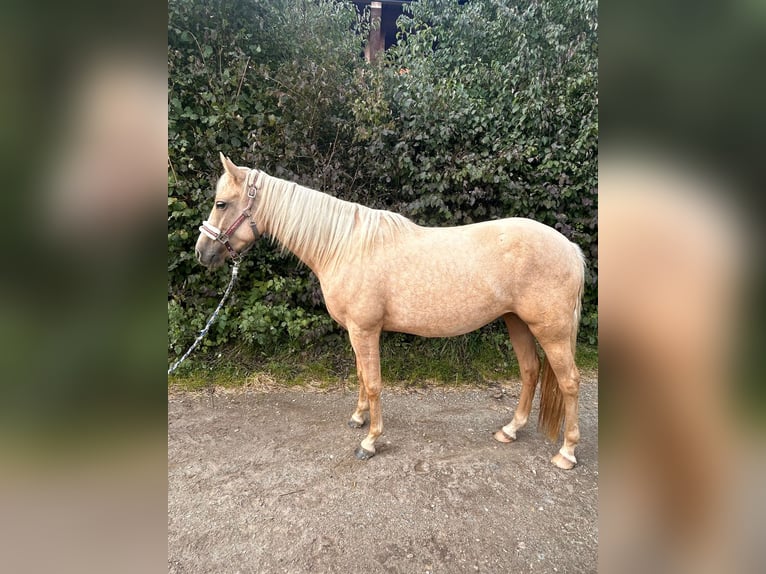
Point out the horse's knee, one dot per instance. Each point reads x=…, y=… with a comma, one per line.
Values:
x=373, y=392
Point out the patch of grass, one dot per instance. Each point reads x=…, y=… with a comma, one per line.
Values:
x=476, y=359
x=294, y=370
x=200, y=377
x=458, y=360
x=238, y=367
x=587, y=357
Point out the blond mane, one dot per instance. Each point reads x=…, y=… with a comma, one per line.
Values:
x=322, y=228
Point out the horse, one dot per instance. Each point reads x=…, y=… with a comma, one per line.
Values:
x=379, y=271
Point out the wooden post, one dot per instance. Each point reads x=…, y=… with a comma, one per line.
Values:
x=377, y=40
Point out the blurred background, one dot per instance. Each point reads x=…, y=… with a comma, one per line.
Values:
x=83, y=296
x=82, y=317
x=681, y=279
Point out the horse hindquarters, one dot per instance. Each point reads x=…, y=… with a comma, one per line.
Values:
x=561, y=383
x=560, y=378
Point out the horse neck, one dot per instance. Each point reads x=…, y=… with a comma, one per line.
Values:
x=310, y=224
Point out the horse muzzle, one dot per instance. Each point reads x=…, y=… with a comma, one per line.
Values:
x=210, y=250
x=211, y=257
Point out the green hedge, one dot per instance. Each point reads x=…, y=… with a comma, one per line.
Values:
x=483, y=110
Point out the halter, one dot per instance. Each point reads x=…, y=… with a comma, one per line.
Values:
x=251, y=185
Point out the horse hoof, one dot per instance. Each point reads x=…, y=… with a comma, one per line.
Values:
x=363, y=454
x=562, y=462
x=355, y=424
x=502, y=436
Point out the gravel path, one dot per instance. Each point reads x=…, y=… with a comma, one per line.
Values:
x=267, y=482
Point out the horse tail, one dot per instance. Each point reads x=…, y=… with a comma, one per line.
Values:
x=551, y=398
x=577, y=314
x=551, y=403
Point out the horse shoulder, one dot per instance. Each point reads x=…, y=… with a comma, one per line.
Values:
x=352, y=295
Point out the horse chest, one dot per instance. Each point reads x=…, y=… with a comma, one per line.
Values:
x=353, y=301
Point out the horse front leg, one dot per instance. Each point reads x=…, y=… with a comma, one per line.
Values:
x=366, y=344
x=362, y=404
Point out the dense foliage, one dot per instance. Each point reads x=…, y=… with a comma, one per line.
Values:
x=483, y=110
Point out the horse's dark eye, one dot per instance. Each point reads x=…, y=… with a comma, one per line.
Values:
x=220, y=204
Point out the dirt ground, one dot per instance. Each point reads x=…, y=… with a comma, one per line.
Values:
x=268, y=482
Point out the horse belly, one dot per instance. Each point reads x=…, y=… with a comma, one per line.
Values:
x=443, y=306
x=437, y=324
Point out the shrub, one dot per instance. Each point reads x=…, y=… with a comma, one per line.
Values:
x=483, y=110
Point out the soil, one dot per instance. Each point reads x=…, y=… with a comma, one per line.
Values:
x=268, y=482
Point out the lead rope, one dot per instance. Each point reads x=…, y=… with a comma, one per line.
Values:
x=234, y=273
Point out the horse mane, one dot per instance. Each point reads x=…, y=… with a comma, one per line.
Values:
x=321, y=227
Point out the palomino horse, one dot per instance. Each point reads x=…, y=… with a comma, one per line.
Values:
x=381, y=272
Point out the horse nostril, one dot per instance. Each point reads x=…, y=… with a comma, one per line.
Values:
x=198, y=254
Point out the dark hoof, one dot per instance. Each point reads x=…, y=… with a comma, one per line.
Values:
x=355, y=425
x=363, y=454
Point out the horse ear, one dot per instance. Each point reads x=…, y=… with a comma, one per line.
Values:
x=234, y=171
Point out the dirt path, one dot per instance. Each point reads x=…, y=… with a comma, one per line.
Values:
x=267, y=482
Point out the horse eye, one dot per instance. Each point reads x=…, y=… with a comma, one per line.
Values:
x=220, y=204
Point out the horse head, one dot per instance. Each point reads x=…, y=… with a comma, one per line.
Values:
x=222, y=234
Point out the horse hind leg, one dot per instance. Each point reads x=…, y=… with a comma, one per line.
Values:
x=560, y=398
x=529, y=366
x=357, y=420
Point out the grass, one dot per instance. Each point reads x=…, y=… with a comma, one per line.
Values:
x=405, y=361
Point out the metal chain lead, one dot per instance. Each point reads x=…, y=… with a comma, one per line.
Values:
x=234, y=273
